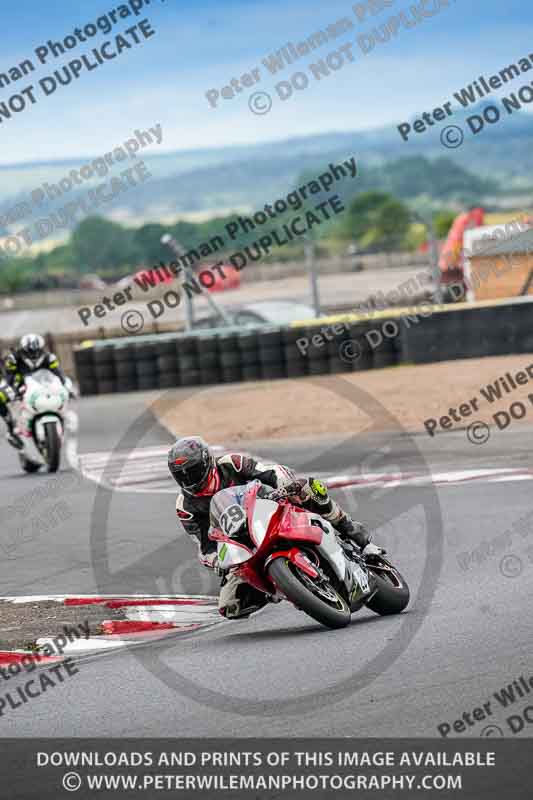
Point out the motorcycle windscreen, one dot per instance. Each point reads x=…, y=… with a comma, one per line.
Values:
x=264, y=510
x=44, y=392
x=227, y=511
x=46, y=378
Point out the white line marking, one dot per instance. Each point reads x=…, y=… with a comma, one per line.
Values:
x=60, y=598
x=205, y=617
x=144, y=471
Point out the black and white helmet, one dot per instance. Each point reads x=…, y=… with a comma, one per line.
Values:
x=32, y=350
x=191, y=463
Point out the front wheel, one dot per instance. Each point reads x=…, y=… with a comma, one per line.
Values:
x=392, y=595
x=52, y=446
x=320, y=600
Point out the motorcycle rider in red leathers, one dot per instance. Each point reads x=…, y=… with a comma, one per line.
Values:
x=200, y=476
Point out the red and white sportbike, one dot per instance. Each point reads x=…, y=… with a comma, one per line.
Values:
x=287, y=552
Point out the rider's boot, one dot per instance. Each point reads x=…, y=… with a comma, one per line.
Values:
x=12, y=437
x=237, y=599
x=351, y=532
x=355, y=532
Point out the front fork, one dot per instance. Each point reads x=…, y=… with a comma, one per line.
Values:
x=359, y=581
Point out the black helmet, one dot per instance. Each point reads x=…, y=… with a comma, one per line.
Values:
x=31, y=349
x=190, y=461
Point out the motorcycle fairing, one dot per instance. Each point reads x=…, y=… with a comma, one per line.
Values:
x=269, y=521
x=261, y=514
x=230, y=552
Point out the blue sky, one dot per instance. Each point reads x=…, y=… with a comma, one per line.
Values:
x=201, y=45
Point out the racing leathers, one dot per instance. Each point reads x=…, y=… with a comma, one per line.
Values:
x=6, y=396
x=237, y=599
x=15, y=370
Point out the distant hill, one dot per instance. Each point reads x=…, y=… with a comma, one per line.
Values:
x=496, y=165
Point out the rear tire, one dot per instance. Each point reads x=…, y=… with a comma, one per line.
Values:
x=392, y=595
x=281, y=573
x=53, y=446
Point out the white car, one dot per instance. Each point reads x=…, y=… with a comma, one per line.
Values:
x=268, y=312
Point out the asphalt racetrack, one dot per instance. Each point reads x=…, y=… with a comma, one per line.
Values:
x=467, y=632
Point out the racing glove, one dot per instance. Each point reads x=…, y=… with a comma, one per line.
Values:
x=212, y=562
x=292, y=491
x=6, y=392
x=209, y=560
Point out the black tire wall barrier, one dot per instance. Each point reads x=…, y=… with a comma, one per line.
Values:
x=209, y=358
x=468, y=333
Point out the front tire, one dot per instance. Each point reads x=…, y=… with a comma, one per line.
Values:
x=288, y=578
x=53, y=446
x=392, y=595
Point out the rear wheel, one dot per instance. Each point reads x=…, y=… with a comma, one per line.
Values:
x=392, y=595
x=52, y=448
x=320, y=600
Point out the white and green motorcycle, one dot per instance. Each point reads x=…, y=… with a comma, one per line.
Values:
x=43, y=420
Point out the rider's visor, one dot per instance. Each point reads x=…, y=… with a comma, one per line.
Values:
x=190, y=475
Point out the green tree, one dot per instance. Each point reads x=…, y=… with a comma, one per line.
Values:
x=60, y=260
x=16, y=274
x=99, y=245
x=361, y=212
x=376, y=219
x=147, y=241
x=443, y=221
